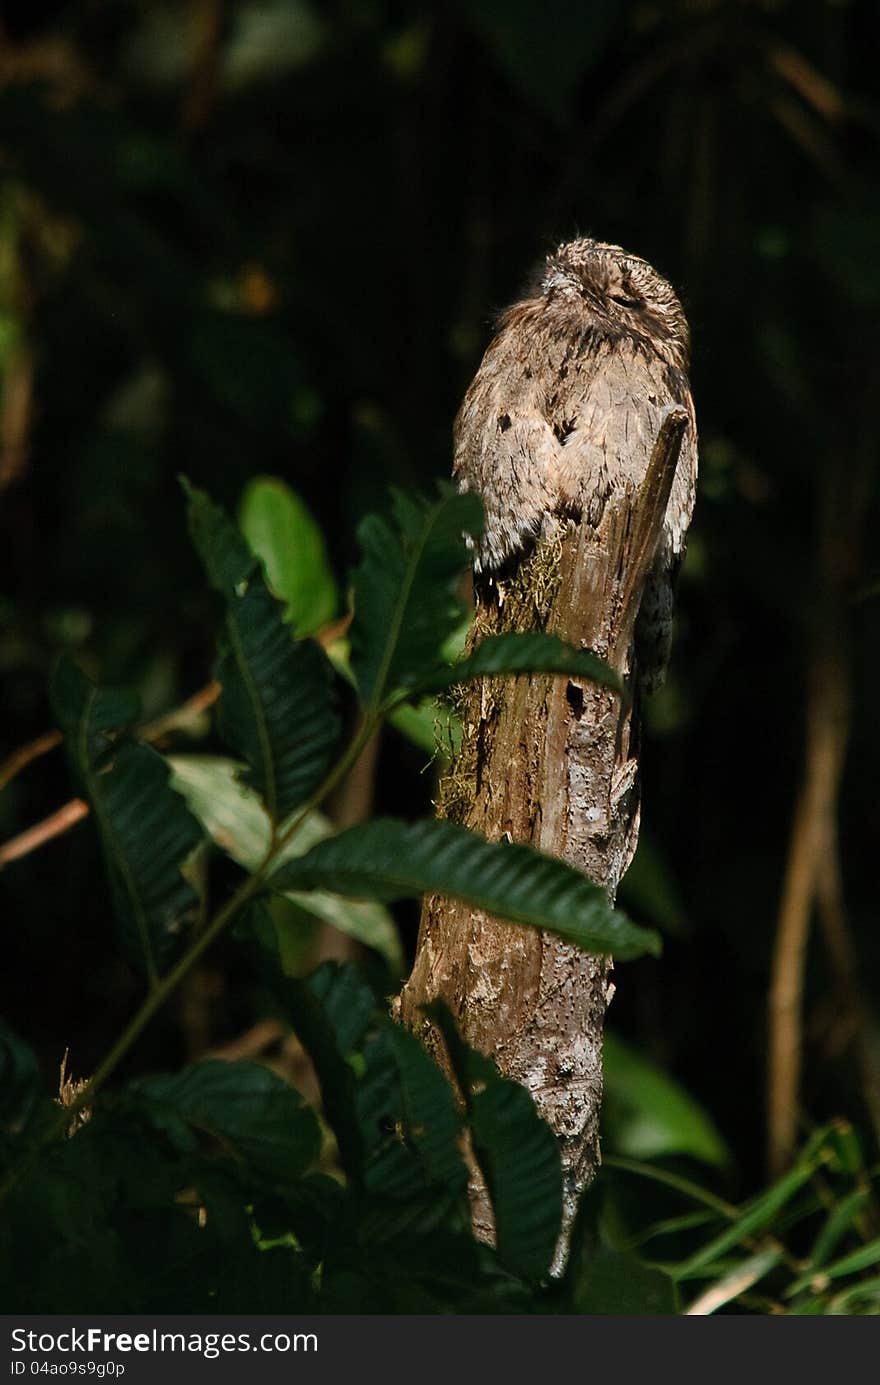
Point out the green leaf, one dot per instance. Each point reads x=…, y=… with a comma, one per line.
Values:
x=146, y=829
x=405, y=601
x=277, y=709
x=235, y=819
x=656, y=1173
x=524, y=652
x=757, y=1214
x=429, y=724
x=619, y=1283
x=648, y=1115
x=388, y=859
x=224, y=552
x=866, y=1291
x=431, y=1118
x=856, y=1260
x=517, y=1153
x=391, y=1108
x=243, y=1105
x=330, y=1014
x=283, y=534
x=841, y=1217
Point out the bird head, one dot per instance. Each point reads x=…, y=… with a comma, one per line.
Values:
x=618, y=292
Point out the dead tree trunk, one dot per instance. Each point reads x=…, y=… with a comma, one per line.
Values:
x=552, y=762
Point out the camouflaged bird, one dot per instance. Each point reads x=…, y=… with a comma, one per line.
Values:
x=566, y=405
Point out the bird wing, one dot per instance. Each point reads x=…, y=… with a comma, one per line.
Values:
x=536, y=435
x=609, y=416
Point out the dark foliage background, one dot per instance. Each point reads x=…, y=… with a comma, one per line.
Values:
x=243, y=238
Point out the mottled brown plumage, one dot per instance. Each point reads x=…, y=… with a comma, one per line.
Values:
x=566, y=405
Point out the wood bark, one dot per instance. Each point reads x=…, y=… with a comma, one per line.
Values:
x=552, y=762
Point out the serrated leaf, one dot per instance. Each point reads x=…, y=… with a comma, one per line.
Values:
x=283, y=534
x=430, y=1116
x=405, y=602
x=98, y=716
x=242, y=1104
x=145, y=827
x=524, y=652
x=388, y=859
x=223, y=549
x=329, y=1014
x=277, y=709
x=390, y=1106
x=648, y=1115
x=236, y=820
x=517, y=1153
x=371, y=1097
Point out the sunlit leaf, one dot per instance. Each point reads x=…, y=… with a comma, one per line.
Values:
x=235, y=818
x=277, y=708
x=282, y=533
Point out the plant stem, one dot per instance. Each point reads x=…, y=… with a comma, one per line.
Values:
x=168, y=983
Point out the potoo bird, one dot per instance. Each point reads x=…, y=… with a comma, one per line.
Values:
x=567, y=403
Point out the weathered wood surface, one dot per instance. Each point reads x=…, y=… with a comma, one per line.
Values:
x=553, y=762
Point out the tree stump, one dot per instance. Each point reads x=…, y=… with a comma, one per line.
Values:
x=552, y=762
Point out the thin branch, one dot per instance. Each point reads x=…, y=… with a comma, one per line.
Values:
x=182, y=718
x=818, y=793
x=813, y=874
x=67, y=816
x=168, y=983
x=16, y=415
x=811, y=84
x=252, y=1043
x=75, y=810
x=16, y=762
x=43, y=832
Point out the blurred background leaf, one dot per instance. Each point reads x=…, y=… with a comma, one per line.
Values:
x=282, y=532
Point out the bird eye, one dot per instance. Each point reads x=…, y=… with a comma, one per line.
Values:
x=625, y=300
